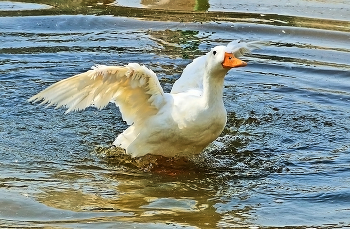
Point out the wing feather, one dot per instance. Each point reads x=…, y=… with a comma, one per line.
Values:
x=239, y=48
x=134, y=88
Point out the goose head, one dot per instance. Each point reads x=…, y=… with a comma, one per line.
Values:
x=220, y=60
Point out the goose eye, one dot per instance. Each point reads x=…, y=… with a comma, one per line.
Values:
x=214, y=52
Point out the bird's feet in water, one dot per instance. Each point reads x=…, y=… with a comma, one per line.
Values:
x=171, y=166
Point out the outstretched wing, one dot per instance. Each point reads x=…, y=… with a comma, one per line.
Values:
x=134, y=88
x=192, y=76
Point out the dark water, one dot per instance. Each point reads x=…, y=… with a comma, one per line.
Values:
x=282, y=160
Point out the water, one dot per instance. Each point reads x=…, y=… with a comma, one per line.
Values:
x=282, y=160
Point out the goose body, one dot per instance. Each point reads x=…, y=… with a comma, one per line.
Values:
x=180, y=123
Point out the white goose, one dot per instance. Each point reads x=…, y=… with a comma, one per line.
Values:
x=180, y=123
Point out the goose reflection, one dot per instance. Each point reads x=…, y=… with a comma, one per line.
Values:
x=142, y=198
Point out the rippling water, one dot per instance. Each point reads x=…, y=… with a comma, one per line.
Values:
x=282, y=160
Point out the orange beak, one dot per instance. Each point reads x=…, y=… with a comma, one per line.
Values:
x=230, y=61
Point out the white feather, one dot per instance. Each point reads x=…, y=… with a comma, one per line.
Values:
x=130, y=87
x=239, y=48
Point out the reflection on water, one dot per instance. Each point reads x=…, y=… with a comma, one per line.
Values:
x=178, y=43
x=331, y=9
x=322, y=16
x=13, y=6
x=192, y=5
x=284, y=151
x=141, y=197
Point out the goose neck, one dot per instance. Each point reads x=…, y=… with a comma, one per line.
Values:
x=213, y=89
